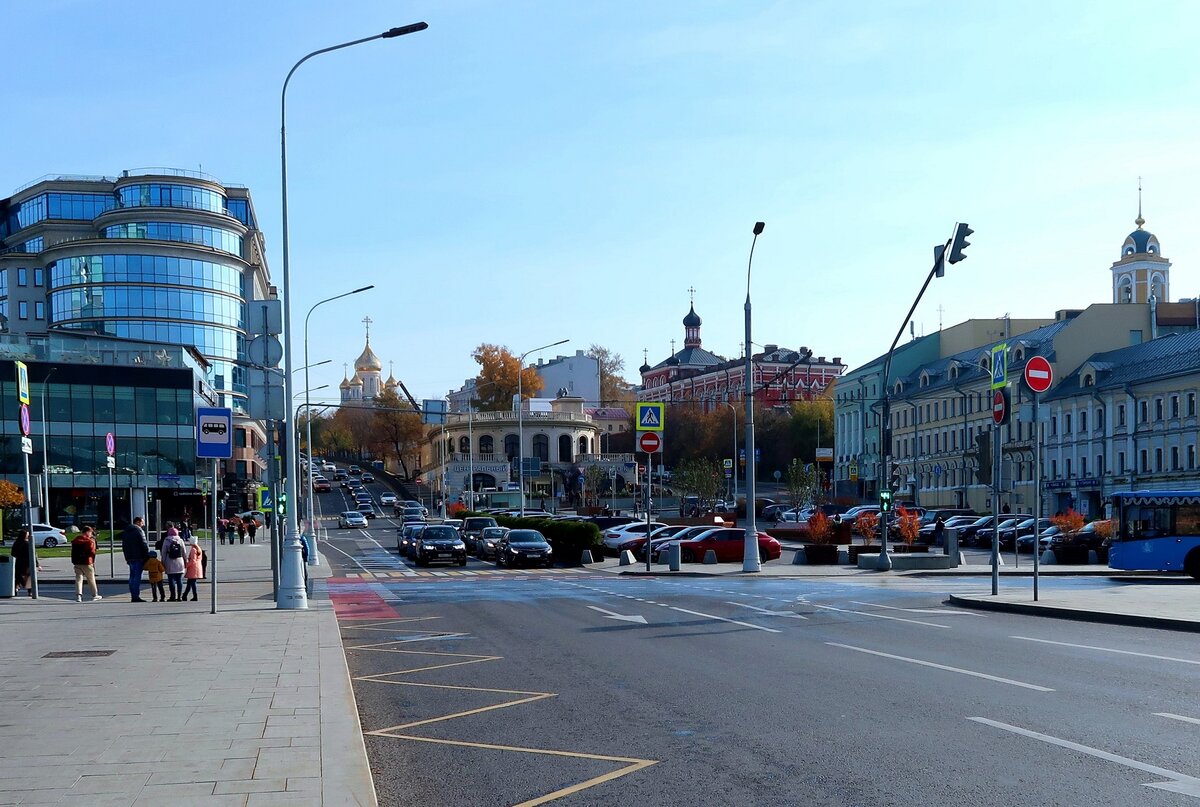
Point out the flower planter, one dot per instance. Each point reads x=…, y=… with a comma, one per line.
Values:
x=1102, y=554
x=821, y=554
x=861, y=549
x=1068, y=555
x=906, y=549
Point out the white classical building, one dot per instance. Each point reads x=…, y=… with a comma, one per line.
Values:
x=560, y=435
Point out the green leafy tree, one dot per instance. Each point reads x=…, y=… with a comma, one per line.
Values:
x=593, y=481
x=801, y=482
x=699, y=477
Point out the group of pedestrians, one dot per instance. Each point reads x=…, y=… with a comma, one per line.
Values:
x=237, y=527
x=182, y=563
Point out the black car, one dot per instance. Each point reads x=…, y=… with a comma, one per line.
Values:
x=523, y=548
x=439, y=544
x=967, y=534
x=340, y=474
x=367, y=509
x=488, y=540
x=407, y=538
x=472, y=529
x=1009, y=534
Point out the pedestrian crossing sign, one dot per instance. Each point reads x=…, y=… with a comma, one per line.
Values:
x=650, y=417
x=265, y=503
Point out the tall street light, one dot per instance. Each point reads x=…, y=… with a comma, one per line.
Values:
x=294, y=599
x=521, y=418
x=314, y=556
x=46, y=457
x=750, y=551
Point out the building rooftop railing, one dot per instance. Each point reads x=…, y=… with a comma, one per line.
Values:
x=132, y=172
x=460, y=418
x=64, y=178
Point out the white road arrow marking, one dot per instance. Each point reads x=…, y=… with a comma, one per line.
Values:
x=766, y=612
x=638, y=618
x=1179, y=782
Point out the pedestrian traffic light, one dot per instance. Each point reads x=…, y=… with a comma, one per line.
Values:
x=885, y=501
x=896, y=481
x=959, y=242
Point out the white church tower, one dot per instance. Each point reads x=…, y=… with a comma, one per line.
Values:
x=1142, y=272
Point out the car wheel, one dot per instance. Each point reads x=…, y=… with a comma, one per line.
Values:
x=462, y=562
x=50, y=543
x=1191, y=564
x=688, y=557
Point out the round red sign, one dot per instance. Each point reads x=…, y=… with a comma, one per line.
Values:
x=999, y=406
x=25, y=419
x=649, y=442
x=1038, y=375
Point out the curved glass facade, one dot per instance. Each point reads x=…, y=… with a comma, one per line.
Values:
x=145, y=302
x=210, y=340
x=156, y=269
x=215, y=237
x=162, y=194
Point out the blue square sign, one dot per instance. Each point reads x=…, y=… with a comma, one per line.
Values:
x=214, y=432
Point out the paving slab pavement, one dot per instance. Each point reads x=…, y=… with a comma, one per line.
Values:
x=174, y=705
x=1172, y=603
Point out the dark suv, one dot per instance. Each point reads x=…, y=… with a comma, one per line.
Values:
x=472, y=529
x=438, y=544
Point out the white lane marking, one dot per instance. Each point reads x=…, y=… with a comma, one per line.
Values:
x=937, y=611
x=723, y=619
x=879, y=616
x=945, y=667
x=1180, y=783
x=1182, y=718
x=766, y=612
x=638, y=618
x=354, y=560
x=1106, y=649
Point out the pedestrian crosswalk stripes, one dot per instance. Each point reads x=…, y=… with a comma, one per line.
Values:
x=409, y=573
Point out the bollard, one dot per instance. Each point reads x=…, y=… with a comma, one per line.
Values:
x=800, y=558
x=291, y=595
x=673, y=554
x=1048, y=558
x=585, y=557
x=626, y=558
x=710, y=557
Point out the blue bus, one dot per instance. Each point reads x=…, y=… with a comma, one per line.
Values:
x=1156, y=530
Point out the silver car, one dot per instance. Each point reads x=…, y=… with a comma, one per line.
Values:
x=352, y=519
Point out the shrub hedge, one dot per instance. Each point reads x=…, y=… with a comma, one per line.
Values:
x=567, y=538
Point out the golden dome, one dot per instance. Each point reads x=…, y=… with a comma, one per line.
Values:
x=368, y=361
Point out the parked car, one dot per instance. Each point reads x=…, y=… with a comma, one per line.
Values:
x=440, y=544
x=637, y=542
x=472, y=529
x=368, y=477
x=367, y=509
x=1088, y=537
x=855, y=512
x=926, y=533
x=522, y=548
x=967, y=533
x=615, y=536
x=387, y=499
x=1009, y=535
x=659, y=545
x=1044, y=540
x=44, y=535
x=488, y=541
x=729, y=544
x=352, y=519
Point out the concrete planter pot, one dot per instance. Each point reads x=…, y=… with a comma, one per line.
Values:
x=821, y=554
x=1067, y=555
x=854, y=551
x=907, y=549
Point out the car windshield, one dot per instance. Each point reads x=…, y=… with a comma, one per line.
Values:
x=351, y=514
x=411, y=511
x=493, y=532
x=526, y=537
x=982, y=522
x=440, y=534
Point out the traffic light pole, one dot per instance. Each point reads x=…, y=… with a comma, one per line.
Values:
x=996, y=509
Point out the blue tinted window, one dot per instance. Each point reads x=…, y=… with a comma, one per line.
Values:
x=161, y=194
x=149, y=302
x=240, y=210
x=215, y=237
x=87, y=269
x=22, y=276
x=82, y=206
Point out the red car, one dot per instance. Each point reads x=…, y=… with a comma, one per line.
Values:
x=635, y=545
x=729, y=544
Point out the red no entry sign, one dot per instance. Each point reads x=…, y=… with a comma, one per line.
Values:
x=650, y=442
x=1038, y=375
x=999, y=407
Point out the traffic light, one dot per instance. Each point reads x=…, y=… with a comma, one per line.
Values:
x=959, y=242
x=939, y=252
x=897, y=480
x=282, y=504
x=885, y=501
x=983, y=456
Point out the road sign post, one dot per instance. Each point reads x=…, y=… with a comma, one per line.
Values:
x=214, y=440
x=110, y=448
x=649, y=442
x=1039, y=377
x=22, y=373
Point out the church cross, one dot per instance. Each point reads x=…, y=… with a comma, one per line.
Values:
x=367, y=321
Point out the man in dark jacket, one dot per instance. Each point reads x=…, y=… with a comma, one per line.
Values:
x=136, y=550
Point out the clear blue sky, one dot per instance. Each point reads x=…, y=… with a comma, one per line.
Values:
x=524, y=172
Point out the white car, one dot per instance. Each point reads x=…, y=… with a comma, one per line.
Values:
x=615, y=536
x=328, y=466
x=387, y=499
x=49, y=537
x=352, y=519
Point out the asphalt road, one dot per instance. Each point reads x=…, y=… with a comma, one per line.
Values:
x=508, y=687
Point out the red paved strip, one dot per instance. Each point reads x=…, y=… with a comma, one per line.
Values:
x=360, y=604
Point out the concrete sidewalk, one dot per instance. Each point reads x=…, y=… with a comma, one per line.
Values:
x=1172, y=603
x=169, y=704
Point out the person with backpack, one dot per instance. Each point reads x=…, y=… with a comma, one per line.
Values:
x=83, y=558
x=175, y=561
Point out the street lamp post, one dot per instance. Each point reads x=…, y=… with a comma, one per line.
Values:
x=521, y=418
x=295, y=596
x=46, y=455
x=733, y=411
x=750, y=561
x=313, y=556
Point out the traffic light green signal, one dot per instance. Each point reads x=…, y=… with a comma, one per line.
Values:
x=885, y=501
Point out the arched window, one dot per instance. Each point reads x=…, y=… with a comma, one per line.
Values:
x=464, y=445
x=541, y=447
x=512, y=447
x=486, y=445
x=564, y=448
x=583, y=445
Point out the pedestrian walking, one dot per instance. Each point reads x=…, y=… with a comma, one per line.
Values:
x=156, y=572
x=83, y=558
x=185, y=530
x=136, y=550
x=20, y=559
x=252, y=527
x=241, y=530
x=222, y=526
x=175, y=560
x=192, y=568
x=939, y=529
